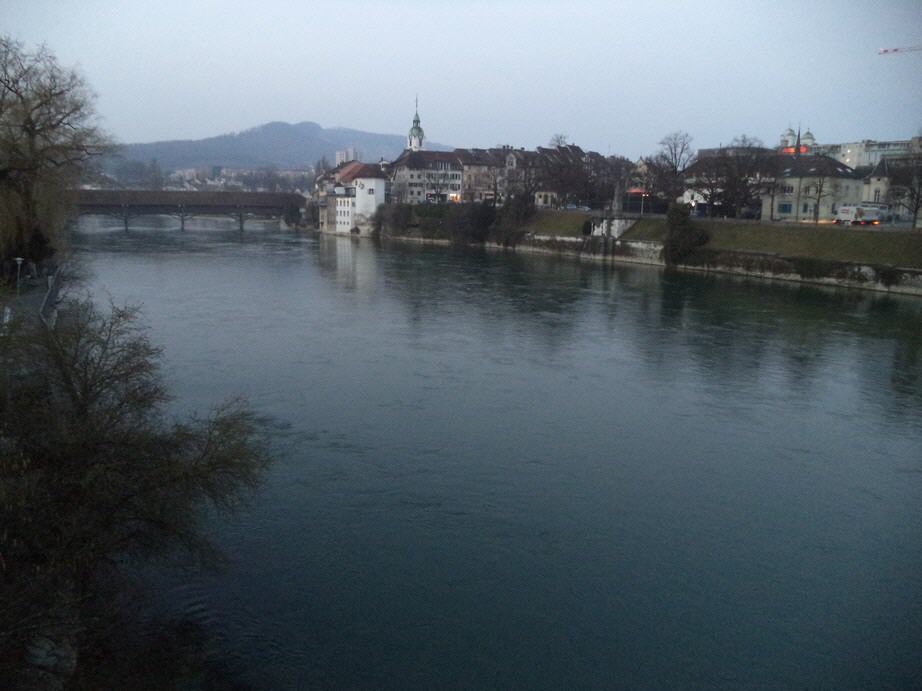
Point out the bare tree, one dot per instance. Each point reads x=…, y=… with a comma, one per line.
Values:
x=666, y=167
x=821, y=188
x=47, y=135
x=93, y=475
x=558, y=139
x=399, y=191
x=618, y=177
x=437, y=183
x=906, y=185
x=743, y=165
x=708, y=177
x=770, y=180
x=526, y=177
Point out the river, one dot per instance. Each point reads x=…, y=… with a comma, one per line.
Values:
x=499, y=470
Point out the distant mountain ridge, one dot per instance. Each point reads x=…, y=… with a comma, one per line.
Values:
x=277, y=144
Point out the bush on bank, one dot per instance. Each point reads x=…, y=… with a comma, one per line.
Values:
x=682, y=236
x=474, y=223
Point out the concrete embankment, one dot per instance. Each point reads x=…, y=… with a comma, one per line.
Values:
x=881, y=278
x=885, y=259
x=763, y=265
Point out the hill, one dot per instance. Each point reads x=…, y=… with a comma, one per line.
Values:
x=278, y=144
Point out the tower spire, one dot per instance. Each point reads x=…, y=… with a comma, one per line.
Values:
x=415, y=138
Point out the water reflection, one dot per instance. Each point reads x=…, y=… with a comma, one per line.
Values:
x=349, y=261
x=731, y=329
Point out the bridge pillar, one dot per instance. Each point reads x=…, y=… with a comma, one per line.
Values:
x=182, y=217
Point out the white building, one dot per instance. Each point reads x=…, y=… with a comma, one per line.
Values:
x=870, y=152
x=348, y=154
x=866, y=153
x=369, y=188
x=348, y=206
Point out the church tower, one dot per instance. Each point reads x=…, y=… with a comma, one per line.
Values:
x=415, y=138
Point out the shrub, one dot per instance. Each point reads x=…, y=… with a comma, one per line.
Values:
x=470, y=223
x=393, y=219
x=682, y=236
x=888, y=275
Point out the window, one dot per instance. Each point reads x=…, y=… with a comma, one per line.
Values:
x=877, y=195
x=787, y=189
x=784, y=208
x=806, y=208
x=371, y=190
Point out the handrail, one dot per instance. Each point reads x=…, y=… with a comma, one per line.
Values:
x=54, y=285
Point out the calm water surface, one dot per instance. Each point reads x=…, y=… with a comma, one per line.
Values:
x=508, y=471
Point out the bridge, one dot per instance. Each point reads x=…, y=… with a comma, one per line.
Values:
x=126, y=204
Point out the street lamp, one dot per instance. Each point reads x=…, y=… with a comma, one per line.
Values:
x=19, y=261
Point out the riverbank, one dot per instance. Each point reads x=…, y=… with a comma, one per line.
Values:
x=880, y=259
x=37, y=297
x=880, y=246
x=883, y=260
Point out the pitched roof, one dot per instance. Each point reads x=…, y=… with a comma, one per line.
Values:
x=362, y=170
x=780, y=165
x=481, y=157
x=812, y=166
x=424, y=159
x=881, y=170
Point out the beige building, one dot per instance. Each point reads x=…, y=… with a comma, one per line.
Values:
x=420, y=177
x=810, y=187
x=483, y=174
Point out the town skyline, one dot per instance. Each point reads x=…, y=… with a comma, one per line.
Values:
x=769, y=140
x=614, y=80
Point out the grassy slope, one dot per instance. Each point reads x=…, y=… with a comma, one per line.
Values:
x=820, y=242
x=647, y=229
x=560, y=223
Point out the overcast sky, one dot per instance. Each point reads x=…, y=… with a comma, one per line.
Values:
x=613, y=76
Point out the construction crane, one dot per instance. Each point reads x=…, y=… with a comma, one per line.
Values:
x=891, y=51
